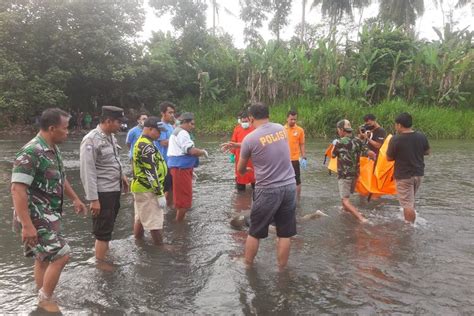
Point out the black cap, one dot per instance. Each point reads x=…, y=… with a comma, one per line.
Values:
x=154, y=122
x=114, y=112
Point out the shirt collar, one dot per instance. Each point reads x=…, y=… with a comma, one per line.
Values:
x=147, y=137
x=44, y=144
x=102, y=133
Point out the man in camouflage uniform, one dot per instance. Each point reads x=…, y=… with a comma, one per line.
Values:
x=38, y=186
x=348, y=150
x=102, y=178
x=149, y=172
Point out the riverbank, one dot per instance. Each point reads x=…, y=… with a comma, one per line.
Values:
x=19, y=129
x=319, y=117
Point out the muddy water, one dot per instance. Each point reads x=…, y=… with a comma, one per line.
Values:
x=336, y=265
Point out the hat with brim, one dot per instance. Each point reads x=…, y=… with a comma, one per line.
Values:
x=344, y=125
x=186, y=116
x=154, y=122
x=114, y=112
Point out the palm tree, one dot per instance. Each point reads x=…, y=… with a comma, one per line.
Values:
x=215, y=12
x=336, y=9
x=401, y=12
x=462, y=3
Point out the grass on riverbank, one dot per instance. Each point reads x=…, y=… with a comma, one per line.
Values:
x=319, y=118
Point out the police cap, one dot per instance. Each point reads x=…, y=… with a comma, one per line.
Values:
x=114, y=112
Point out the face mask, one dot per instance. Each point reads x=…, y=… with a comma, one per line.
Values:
x=245, y=125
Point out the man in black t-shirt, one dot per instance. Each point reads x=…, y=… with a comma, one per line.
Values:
x=374, y=133
x=408, y=149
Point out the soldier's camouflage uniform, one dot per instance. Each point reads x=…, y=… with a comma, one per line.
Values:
x=40, y=167
x=348, y=151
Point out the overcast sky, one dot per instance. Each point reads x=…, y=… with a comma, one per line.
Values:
x=233, y=25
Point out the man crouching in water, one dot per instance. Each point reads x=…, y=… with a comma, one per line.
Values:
x=274, y=197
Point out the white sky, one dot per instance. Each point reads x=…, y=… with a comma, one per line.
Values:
x=234, y=26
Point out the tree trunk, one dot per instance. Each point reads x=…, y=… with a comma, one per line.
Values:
x=391, y=87
x=214, y=17
x=303, y=22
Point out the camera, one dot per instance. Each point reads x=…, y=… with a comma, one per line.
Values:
x=365, y=128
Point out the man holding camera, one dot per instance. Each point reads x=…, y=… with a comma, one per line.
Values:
x=373, y=132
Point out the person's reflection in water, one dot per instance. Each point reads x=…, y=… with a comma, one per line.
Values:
x=375, y=254
x=241, y=203
x=267, y=293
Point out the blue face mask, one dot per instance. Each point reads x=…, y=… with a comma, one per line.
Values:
x=245, y=125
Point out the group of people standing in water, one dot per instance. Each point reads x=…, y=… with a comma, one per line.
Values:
x=268, y=157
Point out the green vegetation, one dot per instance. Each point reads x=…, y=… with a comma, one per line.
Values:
x=80, y=55
x=319, y=117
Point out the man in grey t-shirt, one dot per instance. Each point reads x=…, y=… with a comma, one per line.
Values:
x=274, y=198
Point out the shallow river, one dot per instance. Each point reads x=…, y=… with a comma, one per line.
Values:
x=337, y=266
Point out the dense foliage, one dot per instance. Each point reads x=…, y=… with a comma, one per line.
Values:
x=80, y=55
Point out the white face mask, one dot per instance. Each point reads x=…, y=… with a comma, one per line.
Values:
x=245, y=125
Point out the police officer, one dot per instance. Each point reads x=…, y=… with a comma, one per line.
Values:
x=102, y=176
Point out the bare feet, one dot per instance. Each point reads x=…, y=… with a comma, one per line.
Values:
x=47, y=303
x=105, y=266
x=49, y=306
x=169, y=248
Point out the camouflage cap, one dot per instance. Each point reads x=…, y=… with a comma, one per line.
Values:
x=344, y=125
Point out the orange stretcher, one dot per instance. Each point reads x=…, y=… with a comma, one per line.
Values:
x=375, y=177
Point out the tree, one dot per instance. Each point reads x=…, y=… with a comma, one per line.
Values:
x=336, y=9
x=188, y=16
x=253, y=13
x=401, y=12
x=216, y=7
x=281, y=10
x=67, y=53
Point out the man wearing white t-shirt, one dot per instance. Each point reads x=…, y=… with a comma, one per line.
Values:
x=182, y=159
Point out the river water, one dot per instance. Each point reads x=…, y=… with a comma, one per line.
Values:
x=337, y=266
